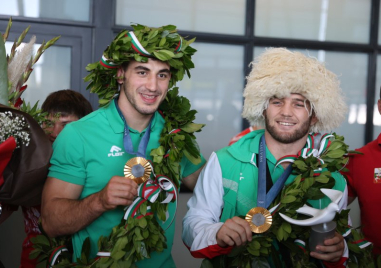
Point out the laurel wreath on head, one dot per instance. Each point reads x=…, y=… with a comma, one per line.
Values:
x=135, y=238
x=162, y=43
x=306, y=186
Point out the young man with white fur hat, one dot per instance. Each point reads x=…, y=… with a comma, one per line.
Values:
x=290, y=95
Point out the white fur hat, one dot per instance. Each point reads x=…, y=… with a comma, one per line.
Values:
x=279, y=72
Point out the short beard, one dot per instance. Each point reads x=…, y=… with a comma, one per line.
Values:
x=289, y=137
x=132, y=101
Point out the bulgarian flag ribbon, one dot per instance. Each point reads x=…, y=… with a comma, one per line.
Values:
x=362, y=243
x=109, y=64
x=137, y=46
x=287, y=158
x=311, y=149
x=179, y=45
x=56, y=252
x=347, y=232
x=301, y=244
x=149, y=191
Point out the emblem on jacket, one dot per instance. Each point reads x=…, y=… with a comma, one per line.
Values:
x=377, y=175
x=115, y=151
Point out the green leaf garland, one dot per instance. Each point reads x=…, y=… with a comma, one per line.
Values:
x=306, y=185
x=135, y=239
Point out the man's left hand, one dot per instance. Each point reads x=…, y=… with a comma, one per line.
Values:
x=333, y=249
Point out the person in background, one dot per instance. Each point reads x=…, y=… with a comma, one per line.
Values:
x=63, y=106
x=291, y=95
x=364, y=181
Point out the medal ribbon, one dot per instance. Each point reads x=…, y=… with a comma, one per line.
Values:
x=311, y=149
x=127, y=142
x=264, y=200
x=149, y=191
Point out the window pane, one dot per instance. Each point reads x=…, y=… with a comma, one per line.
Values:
x=351, y=70
x=217, y=16
x=379, y=28
x=324, y=20
x=215, y=91
x=50, y=73
x=50, y=9
x=376, y=114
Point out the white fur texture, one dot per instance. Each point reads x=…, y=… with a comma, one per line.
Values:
x=279, y=72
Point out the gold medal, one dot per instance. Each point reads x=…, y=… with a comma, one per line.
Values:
x=260, y=219
x=138, y=169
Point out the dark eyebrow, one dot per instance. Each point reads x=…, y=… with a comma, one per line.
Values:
x=140, y=67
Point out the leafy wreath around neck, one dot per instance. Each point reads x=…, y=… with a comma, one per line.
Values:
x=135, y=238
x=306, y=186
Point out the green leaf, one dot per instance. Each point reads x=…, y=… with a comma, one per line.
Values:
x=287, y=227
x=192, y=127
x=163, y=55
x=279, y=234
x=322, y=179
x=117, y=255
x=162, y=41
x=35, y=253
x=288, y=199
x=194, y=160
x=3, y=74
x=335, y=154
x=142, y=222
x=41, y=239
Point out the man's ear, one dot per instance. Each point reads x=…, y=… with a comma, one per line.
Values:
x=120, y=75
x=314, y=119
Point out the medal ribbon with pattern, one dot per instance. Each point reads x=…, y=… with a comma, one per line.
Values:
x=138, y=168
x=260, y=218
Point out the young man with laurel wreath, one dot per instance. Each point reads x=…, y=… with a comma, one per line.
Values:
x=139, y=133
x=291, y=95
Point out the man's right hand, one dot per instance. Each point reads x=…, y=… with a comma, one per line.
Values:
x=119, y=191
x=62, y=212
x=234, y=232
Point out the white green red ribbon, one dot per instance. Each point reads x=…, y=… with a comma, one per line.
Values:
x=102, y=254
x=301, y=244
x=53, y=257
x=287, y=158
x=346, y=232
x=173, y=131
x=149, y=191
x=179, y=45
x=137, y=46
x=362, y=243
x=108, y=64
x=310, y=149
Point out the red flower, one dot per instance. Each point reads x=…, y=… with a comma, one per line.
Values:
x=6, y=149
x=23, y=88
x=18, y=103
